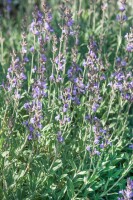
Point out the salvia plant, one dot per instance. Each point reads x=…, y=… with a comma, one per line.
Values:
x=66, y=86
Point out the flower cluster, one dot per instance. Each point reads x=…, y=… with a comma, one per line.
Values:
x=60, y=137
x=38, y=80
x=129, y=39
x=16, y=71
x=39, y=89
x=93, y=66
x=60, y=61
x=127, y=194
x=68, y=21
x=78, y=87
x=122, y=16
x=15, y=76
x=33, y=124
x=41, y=22
x=101, y=136
x=9, y=5
x=34, y=107
x=122, y=80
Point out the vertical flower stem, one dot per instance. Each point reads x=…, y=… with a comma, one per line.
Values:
x=32, y=63
x=94, y=16
x=119, y=40
x=2, y=58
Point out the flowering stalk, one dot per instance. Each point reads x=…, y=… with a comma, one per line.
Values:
x=127, y=194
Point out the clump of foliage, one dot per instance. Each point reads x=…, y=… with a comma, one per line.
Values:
x=66, y=101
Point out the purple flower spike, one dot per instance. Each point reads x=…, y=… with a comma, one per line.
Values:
x=24, y=50
x=31, y=129
x=65, y=107
x=43, y=57
x=118, y=60
x=32, y=49
x=70, y=22
x=51, y=78
x=96, y=141
x=26, y=105
x=97, y=152
x=17, y=95
x=123, y=63
x=95, y=107
x=34, y=69
x=32, y=120
x=124, y=18
x=87, y=117
x=128, y=192
x=26, y=59
x=122, y=8
x=129, y=48
x=9, y=1
x=30, y=137
x=25, y=123
x=59, y=137
x=102, y=146
x=131, y=146
x=48, y=27
x=88, y=148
